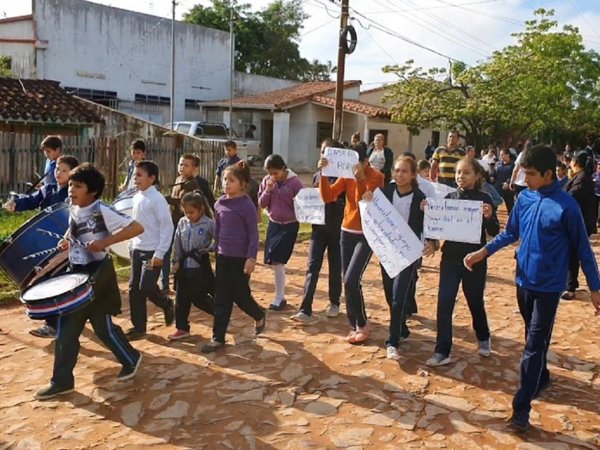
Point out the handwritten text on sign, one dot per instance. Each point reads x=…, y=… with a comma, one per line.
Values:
x=341, y=162
x=453, y=220
x=309, y=206
x=388, y=234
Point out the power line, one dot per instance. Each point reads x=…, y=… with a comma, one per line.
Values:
x=428, y=8
x=392, y=33
x=491, y=16
x=584, y=19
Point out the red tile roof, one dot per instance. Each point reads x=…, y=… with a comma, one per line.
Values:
x=286, y=97
x=354, y=106
x=42, y=101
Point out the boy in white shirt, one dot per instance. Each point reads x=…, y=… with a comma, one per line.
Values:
x=93, y=227
x=148, y=250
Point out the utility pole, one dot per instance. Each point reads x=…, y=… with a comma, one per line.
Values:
x=231, y=66
x=172, y=103
x=341, y=62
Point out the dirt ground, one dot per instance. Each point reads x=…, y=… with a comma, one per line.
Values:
x=304, y=387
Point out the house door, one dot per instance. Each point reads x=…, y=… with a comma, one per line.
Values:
x=266, y=133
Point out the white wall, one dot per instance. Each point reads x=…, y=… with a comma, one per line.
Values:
x=22, y=54
x=99, y=47
x=249, y=84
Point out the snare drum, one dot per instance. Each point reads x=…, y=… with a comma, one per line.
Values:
x=26, y=241
x=124, y=205
x=58, y=296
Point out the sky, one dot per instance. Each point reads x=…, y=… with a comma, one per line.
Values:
x=465, y=30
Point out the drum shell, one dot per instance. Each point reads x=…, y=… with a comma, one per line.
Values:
x=60, y=304
x=124, y=205
x=26, y=240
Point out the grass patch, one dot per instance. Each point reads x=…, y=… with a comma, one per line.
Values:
x=10, y=222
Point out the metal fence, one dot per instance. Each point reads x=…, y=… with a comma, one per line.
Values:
x=22, y=161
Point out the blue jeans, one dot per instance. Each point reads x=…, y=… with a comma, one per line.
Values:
x=538, y=310
x=356, y=255
x=320, y=240
x=452, y=272
x=399, y=294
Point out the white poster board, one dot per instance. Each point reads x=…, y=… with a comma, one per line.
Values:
x=453, y=220
x=309, y=206
x=441, y=190
x=388, y=234
x=341, y=162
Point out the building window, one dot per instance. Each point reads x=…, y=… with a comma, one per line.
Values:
x=106, y=98
x=324, y=131
x=192, y=103
x=152, y=99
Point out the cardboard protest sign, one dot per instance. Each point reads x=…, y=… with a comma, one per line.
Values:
x=309, y=206
x=341, y=162
x=388, y=234
x=453, y=220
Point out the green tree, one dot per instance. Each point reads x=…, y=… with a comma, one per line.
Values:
x=266, y=42
x=5, y=63
x=545, y=83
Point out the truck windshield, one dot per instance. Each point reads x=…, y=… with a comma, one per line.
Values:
x=213, y=130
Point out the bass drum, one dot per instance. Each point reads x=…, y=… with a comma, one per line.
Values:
x=27, y=240
x=124, y=205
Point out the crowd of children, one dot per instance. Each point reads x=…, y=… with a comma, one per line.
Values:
x=552, y=219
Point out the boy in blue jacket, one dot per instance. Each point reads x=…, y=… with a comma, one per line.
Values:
x=49, y=194
x=548, y=223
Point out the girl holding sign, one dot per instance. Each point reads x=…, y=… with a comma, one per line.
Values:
x=356, y=252
x=276, y=193
x=469, y=178
x=406, y=197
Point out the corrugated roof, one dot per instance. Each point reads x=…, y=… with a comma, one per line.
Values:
x=42, y=101
x=286, y=97
x=354, y=106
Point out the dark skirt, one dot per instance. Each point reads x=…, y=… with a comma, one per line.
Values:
x=281, y=239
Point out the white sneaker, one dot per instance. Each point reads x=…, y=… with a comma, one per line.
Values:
x=438, y=360
x=392, y=353
x=300, y=317
x=333, y=310
x=485, y=348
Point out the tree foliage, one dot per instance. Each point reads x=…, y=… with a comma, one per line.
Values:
x=544, y=84
x=266, y=42
x=5, y=63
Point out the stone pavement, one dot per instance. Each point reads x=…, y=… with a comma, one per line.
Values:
x=303, y=387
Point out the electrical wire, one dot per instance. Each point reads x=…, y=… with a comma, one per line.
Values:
x=491, y=16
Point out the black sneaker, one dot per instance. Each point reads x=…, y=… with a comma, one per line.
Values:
x=127, y=373
x=133, y=334
x=52, y=391
x=169, y=313
x=519, y=422
x=280, y=307
x=259, y=325
x=212, y=346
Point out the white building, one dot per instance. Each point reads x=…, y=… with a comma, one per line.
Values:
x=122, y=58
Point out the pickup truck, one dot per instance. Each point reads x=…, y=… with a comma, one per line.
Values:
x=217, y=131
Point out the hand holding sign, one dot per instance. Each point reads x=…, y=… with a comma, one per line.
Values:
x=340, y=163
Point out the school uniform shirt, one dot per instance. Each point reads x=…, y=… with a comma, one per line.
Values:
x=47, y=195
x=280, y=201
x=151, y=210
x=236, y=228
x=503, y=174
x=548, y=223
x=415, y=214
x=520, y=179
x=192, y=236
x=49, y=169
x=130, y=178
x=491, y=226
x=92, y=223
x=354, y=191
x=226, y=162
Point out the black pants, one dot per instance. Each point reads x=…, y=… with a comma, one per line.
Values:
x=538, y=310
x=572, y=279
x=67, y=342
x=452, y=273
x=356, y=255
x=232, y=286
x=194, y=287
x=143, y=285
x=509, y=198
x=322, y=239
x=400, y=295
